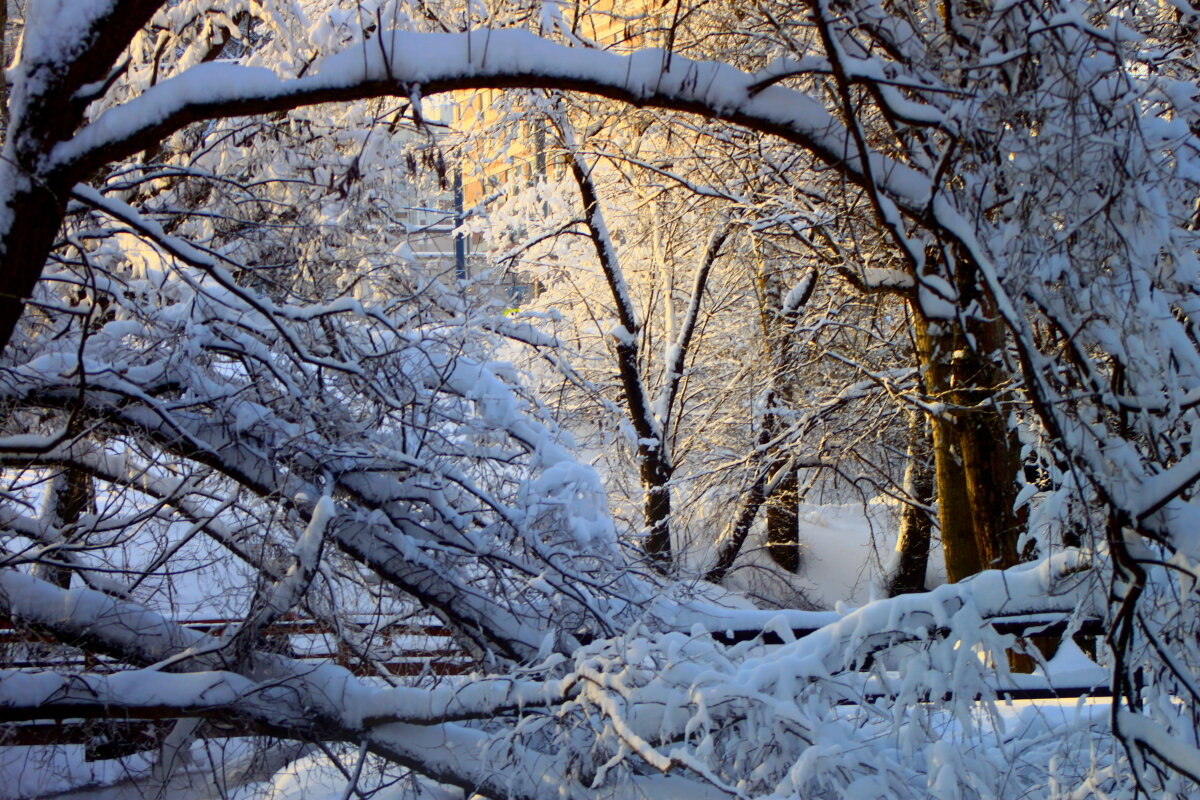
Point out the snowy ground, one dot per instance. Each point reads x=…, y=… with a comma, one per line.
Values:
x=225, y=771
x=215, y=770
x=847, y=548
x=313, y=777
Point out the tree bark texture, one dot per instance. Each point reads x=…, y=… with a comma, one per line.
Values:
x=3, y=66
x=783, y=521
x=68, y=496
x=989, y=451
x=916, y=523
x=976, y=457
x=935, y=346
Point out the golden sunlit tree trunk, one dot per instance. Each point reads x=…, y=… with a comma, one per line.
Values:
x=989, y=451
x=976, y=455
x=935, y=349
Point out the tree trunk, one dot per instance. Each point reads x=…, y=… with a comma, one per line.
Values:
x=916, y=524
x=656, y=505
x=653, y=458
x=68, y=496
x=935, y=347
x=3, y=66
x=991, y=461
x=730, y=545
x=989, y=451
x=783, y=521
x=778, y=323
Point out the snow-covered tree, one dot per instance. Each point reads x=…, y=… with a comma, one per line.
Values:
x=172, y=394
x=682, y=323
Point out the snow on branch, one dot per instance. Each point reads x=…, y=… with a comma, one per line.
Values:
x=401, y=62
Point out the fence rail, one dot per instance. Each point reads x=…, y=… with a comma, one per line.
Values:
x=111, y=738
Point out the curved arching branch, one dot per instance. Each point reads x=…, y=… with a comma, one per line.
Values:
x=416, y=64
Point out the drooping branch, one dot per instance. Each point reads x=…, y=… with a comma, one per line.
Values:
x=391, y=544
x=279, y=698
